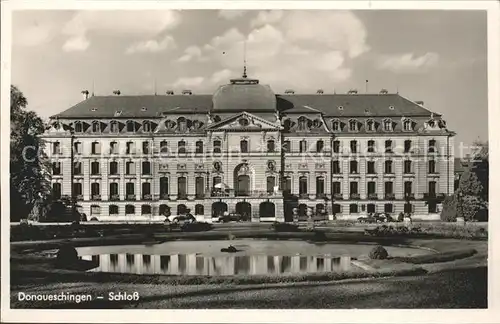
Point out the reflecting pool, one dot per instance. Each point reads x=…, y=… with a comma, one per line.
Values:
x=253, y=258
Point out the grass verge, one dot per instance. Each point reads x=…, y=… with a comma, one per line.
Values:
x=438, y=257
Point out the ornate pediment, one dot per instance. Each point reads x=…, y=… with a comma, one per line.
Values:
x=245, y=122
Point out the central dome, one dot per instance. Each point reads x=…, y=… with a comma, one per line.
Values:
x=244, y=94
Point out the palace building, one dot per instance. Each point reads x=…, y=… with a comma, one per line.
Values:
x=248, y=150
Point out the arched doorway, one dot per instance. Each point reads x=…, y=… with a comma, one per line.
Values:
x=218, y=209
x=242, y=180
x=244, y=209
x=267, y=209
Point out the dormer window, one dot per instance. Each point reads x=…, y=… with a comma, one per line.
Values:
x=113, y=126
x=78, y=127
x=182, y=124
x=353, y=125
x=340, y=108
x=407, y=125
x=370, y=125
x=130, y=126
x=302, y=123
x=387, y=125
x=336, y=125
x=96, y=127
x=317, y=123
x=146, y=126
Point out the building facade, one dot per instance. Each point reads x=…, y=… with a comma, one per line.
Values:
x=250, y=151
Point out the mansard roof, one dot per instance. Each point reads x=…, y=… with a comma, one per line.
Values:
x=331, y=105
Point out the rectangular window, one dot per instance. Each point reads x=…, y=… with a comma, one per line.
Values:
x=388, y=146
x=432, y=188
x=77, y=168
x=353, y=188
x=78, y=148
x=336, y=185
x=354, y=146
x=56, y=190
x=113, y=191
x=145, y=148
x=388, y=208
x=407, y=146
x=407, y=188
x=407, y=166
x=336, y=146
x=244, y=146
x=217, y=146
x=432, y=146
x=130, y=188
x=388, y=167
x=336, y=167
x=56, y=148
x=270, y=146
x=77, y=189
x=96, y=148
x=353, y=167
x=200, y=187
x=113, y=168
x=130, y=148
x=303, y=146
x=320, y=146
x=56, y=168
x=270, y=184
x=320, y=186
x=371, y=146
x=146, y=168
x=286, y=146
x=302, y=186
x=370, y=166
x=95, y=168
x=182, y=187
x=199, y=147
x=371, y=187
x=146, y=191
x=432, y=166
x=95, y=189
x=163, y=188
x=389, y=187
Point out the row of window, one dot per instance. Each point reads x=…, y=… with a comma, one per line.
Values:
x=131, y=126
x=244, y=147
x=130, y=168
x=95, y=188
x=146, y=209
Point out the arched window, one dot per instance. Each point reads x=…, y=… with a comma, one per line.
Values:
x=181, y=147
x=146, y=126
x=113, y=209
x=113, y=126
x=163, y=188
x=129, y=209
x=130, y=126
x=199, y=209
x=78, y=127
x=270, y=146
x=387, y=125
x=182, y=123
x=320, y=185
x=146, y=210
x=164, y=210
x=181, y=209
x=287, y=124
x=96, y=127
x=320, y=145
x=164, y=147
x=244, y=146
x=217, y=146
x=182, y=187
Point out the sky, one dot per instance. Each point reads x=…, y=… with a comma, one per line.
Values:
x=439, y=57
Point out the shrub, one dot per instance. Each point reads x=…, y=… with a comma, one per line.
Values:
x=438, y=257
x=449, y=212
x=378, y=253
x=284, y=227
x=196, y=227
x=319, y=236
x=67, y=255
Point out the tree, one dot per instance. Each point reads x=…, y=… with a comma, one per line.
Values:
x=472, y=192
x=28, y=168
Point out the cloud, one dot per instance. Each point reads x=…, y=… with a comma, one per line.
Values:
x=267, y=17
x=188, y=82
x=76, y=44
x=231, y=14
x=121, y=23
x=303, y=50
x=408, y=62
x=190, y=53
x=152, y=46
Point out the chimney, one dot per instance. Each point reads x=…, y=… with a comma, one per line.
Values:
x=170, y=92
x=289, y=91
x=384, y=91
x=320, y=91
x=187, y=92
x=85, y=94
x=117, y=92
x=421, y=103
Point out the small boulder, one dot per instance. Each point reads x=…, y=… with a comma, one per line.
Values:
x=378, y=253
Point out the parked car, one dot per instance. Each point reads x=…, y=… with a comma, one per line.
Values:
x=367, y=219
x=233, y=217
x=180, y=218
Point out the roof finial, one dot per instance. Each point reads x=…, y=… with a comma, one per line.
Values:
x=244, y=59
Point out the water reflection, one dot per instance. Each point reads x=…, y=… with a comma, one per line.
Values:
x=194, y=264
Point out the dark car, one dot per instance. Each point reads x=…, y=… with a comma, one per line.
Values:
x=368, y=219
x=233, y=217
